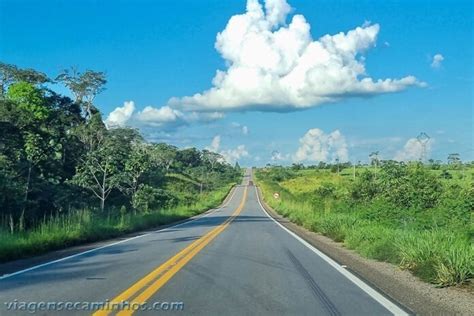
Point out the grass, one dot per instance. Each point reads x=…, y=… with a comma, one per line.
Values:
x=82, y=226
x=435, y=244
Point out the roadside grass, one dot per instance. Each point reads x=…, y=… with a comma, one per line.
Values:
x=83, y=226
x=438, y=250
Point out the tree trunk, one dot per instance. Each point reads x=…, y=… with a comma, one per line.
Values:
x=102, y=203
x=25, y=199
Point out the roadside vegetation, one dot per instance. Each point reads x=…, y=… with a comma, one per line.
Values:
x=417, y=216
x=66, y=178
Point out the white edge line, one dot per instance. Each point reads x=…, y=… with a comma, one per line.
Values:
x=382, y=300
x=5, y=276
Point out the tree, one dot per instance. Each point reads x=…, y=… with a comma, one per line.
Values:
x=99, y=172
x=33, y=113
x=189, y=157
x=103, y=168
x=374, y=161
x=92, y=133
x=11, y=73
x=85, y=87
x=454, y=159
x=30, y=100
x=237, y=166
x=7, y=76
x=163, y=155
x=212, y=158
x=31, y=76
x=136, y=165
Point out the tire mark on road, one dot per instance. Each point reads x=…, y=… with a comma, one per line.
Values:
x=316, y=290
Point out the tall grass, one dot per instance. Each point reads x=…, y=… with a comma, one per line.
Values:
x=441, y=255
x=81, y=226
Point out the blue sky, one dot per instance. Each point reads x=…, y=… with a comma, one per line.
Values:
x=156, y=50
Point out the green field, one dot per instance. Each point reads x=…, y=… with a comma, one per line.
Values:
x=409, y=215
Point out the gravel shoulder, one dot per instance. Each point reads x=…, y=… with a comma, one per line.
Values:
x=419, y=297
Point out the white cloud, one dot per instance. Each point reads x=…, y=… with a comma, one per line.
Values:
x=437, y=60
x=316, y=146
x=230, y=155
x=121, y=115
x=235, y=154
x=159, y=117
x=243, y=128
x=274, y=66
x=215, y=144
x=165, y=118
x=413, y=150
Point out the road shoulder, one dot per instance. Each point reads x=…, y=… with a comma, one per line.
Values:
x=397, y=284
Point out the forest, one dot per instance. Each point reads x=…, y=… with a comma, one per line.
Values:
x=67, y=178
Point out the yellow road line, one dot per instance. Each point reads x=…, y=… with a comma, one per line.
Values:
x=167, y=270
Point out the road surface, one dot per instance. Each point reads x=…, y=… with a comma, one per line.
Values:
x=235, y=260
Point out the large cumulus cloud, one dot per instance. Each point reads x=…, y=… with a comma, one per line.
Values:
x=273, y=66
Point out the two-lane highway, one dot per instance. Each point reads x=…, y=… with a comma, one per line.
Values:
x=235, y=260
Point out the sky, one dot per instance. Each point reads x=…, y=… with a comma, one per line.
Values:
x=275, y=81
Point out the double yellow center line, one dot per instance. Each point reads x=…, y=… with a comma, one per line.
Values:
x=156, y=279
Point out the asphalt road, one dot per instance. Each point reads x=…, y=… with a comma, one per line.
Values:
x=235, y=260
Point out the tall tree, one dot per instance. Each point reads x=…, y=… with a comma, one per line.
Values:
x=32, y=113
x=85, y=87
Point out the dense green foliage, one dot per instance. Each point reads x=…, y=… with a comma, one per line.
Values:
x=64, y=173
x=408, y=214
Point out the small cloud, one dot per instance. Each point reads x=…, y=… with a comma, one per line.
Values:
x=243, y=128
x=215, y=144
x=386, y=44
x=159, y=117
x=316, y=146
x=413, y=150
x=437, y=60
x=166, y=118
x=121, y=115
x=230, y=155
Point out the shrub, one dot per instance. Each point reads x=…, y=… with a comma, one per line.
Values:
x=364, y=188
x=326, y=190
x=149, y=198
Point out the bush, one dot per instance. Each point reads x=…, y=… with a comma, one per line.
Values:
x=365, y=188
x=326, y=190
x=149, y=198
